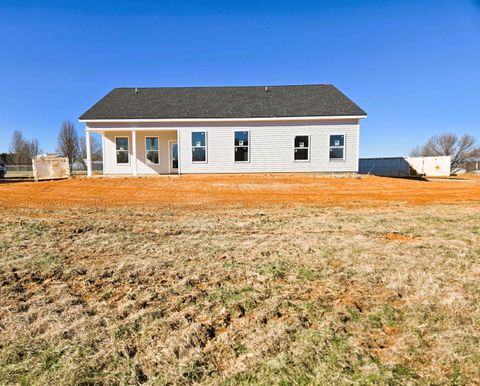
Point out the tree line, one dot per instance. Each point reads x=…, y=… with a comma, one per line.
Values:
x=69, y=144
x=22, y=150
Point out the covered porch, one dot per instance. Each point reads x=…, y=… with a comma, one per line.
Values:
x=136, y=151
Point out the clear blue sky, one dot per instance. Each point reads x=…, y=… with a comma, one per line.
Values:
x=414, y=66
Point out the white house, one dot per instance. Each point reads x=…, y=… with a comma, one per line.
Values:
x=306, y=128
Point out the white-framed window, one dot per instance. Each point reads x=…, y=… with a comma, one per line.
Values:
x=121, y=146
x=199, y=146
x=152, y=153
x=301, y=144
x=337, y=147
x=242, y=146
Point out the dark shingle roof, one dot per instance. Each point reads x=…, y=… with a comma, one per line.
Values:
x=223, y=102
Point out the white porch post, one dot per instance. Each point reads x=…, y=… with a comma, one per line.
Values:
x=178, y=154
x=103, y=152
x=134, y=152
x=89, y=153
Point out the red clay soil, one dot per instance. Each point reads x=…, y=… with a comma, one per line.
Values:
x=212, y=191
x=398, y=237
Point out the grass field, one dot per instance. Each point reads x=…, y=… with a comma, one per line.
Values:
x=240, y=280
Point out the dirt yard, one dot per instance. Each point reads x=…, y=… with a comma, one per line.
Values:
x=211, y=191
x=240, y=280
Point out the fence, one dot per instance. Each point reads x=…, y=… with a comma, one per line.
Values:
x=27, y=170
x=79, y=167
x=18, y=168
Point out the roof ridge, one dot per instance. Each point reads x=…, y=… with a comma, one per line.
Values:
x=248, y=86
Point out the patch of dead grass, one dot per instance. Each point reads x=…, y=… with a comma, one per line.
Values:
x=145, y=295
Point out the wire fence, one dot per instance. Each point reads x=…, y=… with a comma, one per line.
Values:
x=27, y=170
x=18, y=168
x=96, y=166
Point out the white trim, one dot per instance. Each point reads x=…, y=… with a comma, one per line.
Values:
x=170, y=143
x=147, y=161
x=89, y=154
x=259, y=119
x=338, y=147
x=128, y=150
x=235, y=146
x=308, y=147
x=103, y=152
x=134, y=153
x=129, y=129
x=358, y=148
x=179, y=170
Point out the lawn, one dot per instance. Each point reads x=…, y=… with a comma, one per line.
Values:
x=262, y=287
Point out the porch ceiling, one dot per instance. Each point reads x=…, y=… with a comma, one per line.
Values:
x=101, y=130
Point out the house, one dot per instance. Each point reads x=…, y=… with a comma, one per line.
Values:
x=305, y=128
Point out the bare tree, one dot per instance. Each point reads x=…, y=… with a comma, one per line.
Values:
x=33, y=148
x=68, y=142
x=17, y=147
x=417, y=151
x=95, y=149
x=22, y=150
x=461, y=149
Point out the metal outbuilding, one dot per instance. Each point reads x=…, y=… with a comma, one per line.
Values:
x=406, y=166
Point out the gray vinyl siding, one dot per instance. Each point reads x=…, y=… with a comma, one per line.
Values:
x=271, y=149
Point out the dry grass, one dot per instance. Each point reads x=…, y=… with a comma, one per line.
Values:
x=240, y=295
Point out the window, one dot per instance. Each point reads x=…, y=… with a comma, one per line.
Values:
x=302, y=149
x=241, y=145
x=199, y=146
x=151, y=149
x=337, y=147
x=121, y=144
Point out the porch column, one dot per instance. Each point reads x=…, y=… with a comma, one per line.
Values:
x=134, y=152
x=103, y=152
x=89, y=153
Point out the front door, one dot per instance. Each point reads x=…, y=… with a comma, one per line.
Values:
x=173, y=157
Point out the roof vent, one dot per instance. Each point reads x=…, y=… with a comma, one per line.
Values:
x=136, y=90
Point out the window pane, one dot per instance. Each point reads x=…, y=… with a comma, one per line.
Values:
x=337, y=140
x=152, y=156
x=301, y=141
x=336, y=152
x=174, y=155
x=301, y=154
x=152, y=143
x=198, y=138
x=122, y=143
x=122, y=157
x=241, y=138
x=241, y=154
x=198, y=154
